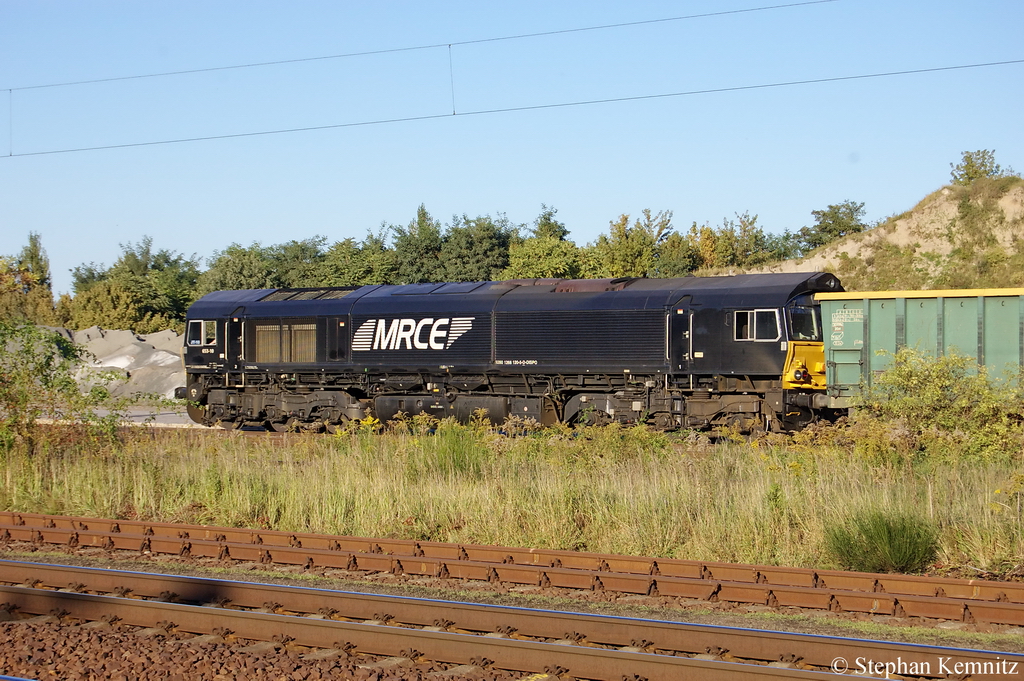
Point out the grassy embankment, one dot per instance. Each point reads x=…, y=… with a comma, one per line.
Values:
x=609, y=490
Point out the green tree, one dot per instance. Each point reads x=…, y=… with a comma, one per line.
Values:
x=705, y=240
x=151, y=287
x=379, y=259
x=348, y=263
x=543, y=257
x=238, y=268
x=36, y=379
x=85, y=275
x=418, y=249
x=975, y=165
x=678, y=256
x=25, y=292
x=547, y=226
x=632, y=250
x=743, y=243
x=476, y=249
x=40, y=372
x=112, y=304
x=33, y=259
x=344, y=264
x=751, y=241
x=298, y=264
x=781, y=246
x=836, y=221
x=737, y=243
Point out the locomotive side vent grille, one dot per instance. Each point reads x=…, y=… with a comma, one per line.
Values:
x=293, y=341
x=574, y=336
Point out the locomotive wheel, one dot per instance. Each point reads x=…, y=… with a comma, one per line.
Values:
x=289, y=425
x=339, y=427
x=595, y=417
x=664, y=422
x=196, y=412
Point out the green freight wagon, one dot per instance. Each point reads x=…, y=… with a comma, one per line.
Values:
x=987, y=324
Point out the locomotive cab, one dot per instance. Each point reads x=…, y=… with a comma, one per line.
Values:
x=203, y=352
x=204, y=342
x=805, y=358
x=803, y=376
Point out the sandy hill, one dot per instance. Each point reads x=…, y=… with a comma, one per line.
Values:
x=957, y=237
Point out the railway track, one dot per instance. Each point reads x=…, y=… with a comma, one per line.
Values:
x=957, y=600
x=374, y=631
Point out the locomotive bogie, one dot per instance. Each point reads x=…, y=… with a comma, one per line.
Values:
x=254, y=406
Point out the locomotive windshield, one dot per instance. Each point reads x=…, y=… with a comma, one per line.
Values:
x=804, y=323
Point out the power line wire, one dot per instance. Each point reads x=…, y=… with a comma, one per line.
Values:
x=516, y=109
x=739, y=88
x=477, y=41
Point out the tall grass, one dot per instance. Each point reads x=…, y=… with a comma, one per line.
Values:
x=880, y=541
x=611, y=489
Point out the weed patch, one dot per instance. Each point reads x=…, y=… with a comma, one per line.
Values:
x=882, y=541
x=944, y=407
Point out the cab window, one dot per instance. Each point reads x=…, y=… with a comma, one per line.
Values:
x=805, y=323
x=756, y=325
x=201, y=333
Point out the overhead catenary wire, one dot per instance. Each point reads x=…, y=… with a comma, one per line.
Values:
x=476, y=41
x=534, y=107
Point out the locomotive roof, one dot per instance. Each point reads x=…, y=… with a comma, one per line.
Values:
x=744, y=290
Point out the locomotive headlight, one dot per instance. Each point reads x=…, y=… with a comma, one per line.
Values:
x=799, y=375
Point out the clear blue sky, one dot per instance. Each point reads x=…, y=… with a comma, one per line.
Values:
x=777, y=152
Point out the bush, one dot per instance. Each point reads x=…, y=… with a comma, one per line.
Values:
x=940, y=407
x=36, y=375
x=882, y=541
x=39, y=373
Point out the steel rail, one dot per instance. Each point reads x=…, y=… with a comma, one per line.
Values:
x=895, y=595
x=455, y=648
x=592, y=632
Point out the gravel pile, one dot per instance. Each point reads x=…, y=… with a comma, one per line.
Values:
x=147, y=364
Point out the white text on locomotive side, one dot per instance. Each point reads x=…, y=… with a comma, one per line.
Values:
x=410, y=334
